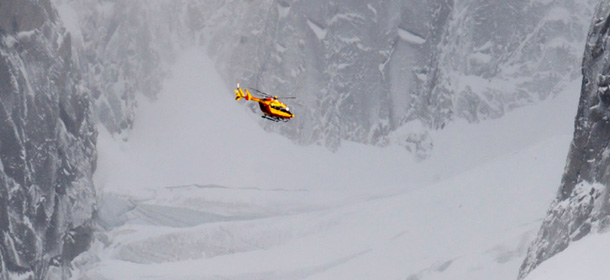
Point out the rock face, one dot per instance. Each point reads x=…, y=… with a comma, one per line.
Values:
x=47, y=145
x=498, y=55
x=361, y=70
x=123, y=49
x=343, y=59
x=582, y=203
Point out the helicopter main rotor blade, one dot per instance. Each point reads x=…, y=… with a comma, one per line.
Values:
x=261, y=92
x=269, y=95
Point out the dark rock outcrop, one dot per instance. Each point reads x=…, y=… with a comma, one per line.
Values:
x=47, y=145
x=581, y=205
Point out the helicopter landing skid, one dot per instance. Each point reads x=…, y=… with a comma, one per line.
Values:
x=275, y=119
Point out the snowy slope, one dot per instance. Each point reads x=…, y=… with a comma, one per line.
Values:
x=571, y=263
x=201, y=192
x=196, y=132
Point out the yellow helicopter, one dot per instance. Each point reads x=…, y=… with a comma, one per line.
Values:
x=272, y=108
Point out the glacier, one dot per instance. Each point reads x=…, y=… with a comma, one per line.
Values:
x=429, y=138
x=193, y=199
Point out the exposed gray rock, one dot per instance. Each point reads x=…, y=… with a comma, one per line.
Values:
x=582, y=204
x=123, y=49
x=126, y=47
x=500, y=55
x=47, y=144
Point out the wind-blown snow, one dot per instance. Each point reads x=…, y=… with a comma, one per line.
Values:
x=201, y=192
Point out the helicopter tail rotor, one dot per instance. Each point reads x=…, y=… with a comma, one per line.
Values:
x=239, y=93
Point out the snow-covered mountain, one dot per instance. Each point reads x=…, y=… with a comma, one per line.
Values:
x=47, y=145
x=185, y=193
x=364, y=69
x=581, y=206
x=499, y=55
x=360, y=70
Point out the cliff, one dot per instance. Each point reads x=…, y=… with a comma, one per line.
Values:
x=47, y=145
x=581, y=205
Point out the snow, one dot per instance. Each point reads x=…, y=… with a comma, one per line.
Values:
x=372, y=9
x=410, y=37
x=570, y=264
x=199, y=191
x=318, y=30
x=283, y=9
x=558, y=14
x=69, y=17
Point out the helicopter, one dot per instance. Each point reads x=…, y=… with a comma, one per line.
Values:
x=272, y=108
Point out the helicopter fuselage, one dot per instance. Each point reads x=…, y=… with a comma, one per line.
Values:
x=272, y=108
